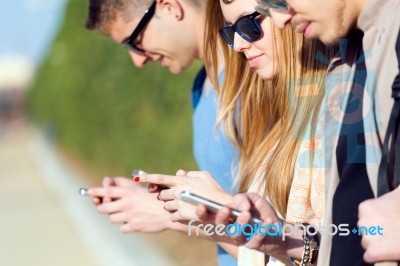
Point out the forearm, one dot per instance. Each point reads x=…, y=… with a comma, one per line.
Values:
x=290, y=242
x=292, y=246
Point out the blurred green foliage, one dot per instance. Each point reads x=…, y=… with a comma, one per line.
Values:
x=103, y=110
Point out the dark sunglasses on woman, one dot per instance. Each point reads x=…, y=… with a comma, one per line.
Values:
x=247, y=27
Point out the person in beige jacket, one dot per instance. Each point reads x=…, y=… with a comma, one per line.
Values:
x=359, y=102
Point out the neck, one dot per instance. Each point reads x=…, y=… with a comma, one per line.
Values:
x=200, y=29
x=358, y=8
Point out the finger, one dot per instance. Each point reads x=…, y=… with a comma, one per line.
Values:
x=244, y=218
x=110, y=207
x=223, y=216
x=176, y=217
x=123, y=182
x=126, y=228
x=369, y=257
x=364, y=242
x=107, y=181
x=196, y=173
x=119, y=217
x=181, y=172
x=242, y=202
x=106, y=192
x=171, y=206
x=165, y=180
x=244, y=221
x=203, y=214
x=153, y=188
x=167, y=194
x=96, y=200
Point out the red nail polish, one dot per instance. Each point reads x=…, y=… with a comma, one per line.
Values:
x=136, y=179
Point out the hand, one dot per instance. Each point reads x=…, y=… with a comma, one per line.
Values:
x=384, y=212
x=253, y=205
x=107, y=182
x=200, y=183
x=130, y=205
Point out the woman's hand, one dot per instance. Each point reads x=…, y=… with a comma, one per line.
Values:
x=130, y=205
x=200, y=183
x=253, y=205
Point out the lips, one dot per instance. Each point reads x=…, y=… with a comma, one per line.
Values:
x=253, y=60
x=300, y=28
x=303, y=28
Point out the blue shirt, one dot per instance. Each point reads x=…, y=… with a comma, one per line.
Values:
x=213, y=151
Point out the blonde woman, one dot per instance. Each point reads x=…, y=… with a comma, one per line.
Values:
x=283, y=153
x=266, y=109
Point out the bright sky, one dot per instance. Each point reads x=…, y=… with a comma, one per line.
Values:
x=28, y=26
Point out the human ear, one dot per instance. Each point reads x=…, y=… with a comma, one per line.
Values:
x=172, y=8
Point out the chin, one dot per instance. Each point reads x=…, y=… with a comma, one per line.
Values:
x=331, y=38
x=175, y=70
x=266, y=74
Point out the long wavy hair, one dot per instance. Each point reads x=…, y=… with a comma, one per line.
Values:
x=266, y=119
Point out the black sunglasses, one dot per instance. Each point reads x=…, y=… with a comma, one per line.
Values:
x=247, y=27
x=129, y=42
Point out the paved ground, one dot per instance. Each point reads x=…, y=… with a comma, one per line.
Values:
x=45, y=222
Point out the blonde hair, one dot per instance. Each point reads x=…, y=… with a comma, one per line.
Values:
x=266, y=118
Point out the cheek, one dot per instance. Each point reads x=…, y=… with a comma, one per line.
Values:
x=268, y=48
x=266, y=43
x=267, y=72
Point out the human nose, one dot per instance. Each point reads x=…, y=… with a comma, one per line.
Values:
x=139, y=60
x=239, y=44
x=281, y=20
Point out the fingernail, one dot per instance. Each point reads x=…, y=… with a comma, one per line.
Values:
x=136, y=179
x=158, y=196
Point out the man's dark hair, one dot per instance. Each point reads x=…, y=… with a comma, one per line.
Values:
x=104, y=12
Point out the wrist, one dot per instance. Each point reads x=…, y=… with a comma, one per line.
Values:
x=177, y=226
x=289, y=243
x=310, y=239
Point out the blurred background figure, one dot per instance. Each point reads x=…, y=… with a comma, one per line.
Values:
x=16, y=73
x=27, y=29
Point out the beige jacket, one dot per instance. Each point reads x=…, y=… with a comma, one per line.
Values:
x=380, y=22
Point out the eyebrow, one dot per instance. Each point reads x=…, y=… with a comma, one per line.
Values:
x=262, y=10
x=244, y=13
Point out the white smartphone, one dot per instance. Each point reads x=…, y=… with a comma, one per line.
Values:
x=83, y=191
x=212, y=206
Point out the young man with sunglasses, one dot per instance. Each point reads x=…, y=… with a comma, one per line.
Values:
x=170, y=32
x=362, y=129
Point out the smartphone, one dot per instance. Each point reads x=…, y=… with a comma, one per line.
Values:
x=212, y=206
x=83, y=191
